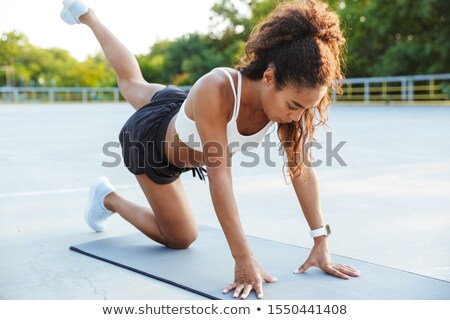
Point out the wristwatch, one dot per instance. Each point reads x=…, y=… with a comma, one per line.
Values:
x=322, y=231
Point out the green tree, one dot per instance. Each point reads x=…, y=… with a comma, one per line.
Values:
x=384, y=37
x=183, y=60
x=34, y=66
x=233, y=21
x=187, y=58
x=397, y=37
x=11, y=45
x=95, y=71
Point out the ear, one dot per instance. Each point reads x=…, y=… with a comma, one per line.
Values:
x=269, y=77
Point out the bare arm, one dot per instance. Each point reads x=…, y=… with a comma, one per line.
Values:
x=211, y=117
x=308, y=195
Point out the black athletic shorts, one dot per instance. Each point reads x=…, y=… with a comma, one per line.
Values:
x=143, y=135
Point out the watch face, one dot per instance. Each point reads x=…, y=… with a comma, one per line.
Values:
x=327, y=227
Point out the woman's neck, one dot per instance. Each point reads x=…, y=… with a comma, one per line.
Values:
x=251, y=96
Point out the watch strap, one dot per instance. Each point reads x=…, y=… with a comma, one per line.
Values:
x=322, y=231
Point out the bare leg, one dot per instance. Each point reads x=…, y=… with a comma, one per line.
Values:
x=141, y=217
x=169, y=222
x=132, y=84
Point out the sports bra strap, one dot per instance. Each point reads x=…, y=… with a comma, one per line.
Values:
x=237, y=95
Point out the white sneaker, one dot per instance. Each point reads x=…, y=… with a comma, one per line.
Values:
x=72, y=11
x=96, y=213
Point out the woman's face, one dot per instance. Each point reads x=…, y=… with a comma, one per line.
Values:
x=288, y=104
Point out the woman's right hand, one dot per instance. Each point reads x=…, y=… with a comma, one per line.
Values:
x=248, y=276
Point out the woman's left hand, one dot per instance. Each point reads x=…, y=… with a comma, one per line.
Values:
x=320, y=257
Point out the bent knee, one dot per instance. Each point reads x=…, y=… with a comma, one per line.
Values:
x=137, y=91
x=182, y=242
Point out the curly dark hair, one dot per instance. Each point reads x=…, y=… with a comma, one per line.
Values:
x=303, y=42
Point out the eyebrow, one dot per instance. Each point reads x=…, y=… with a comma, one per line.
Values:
x=297, y=104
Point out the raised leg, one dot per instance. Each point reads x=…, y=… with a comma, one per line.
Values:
x=132, y=84
x=169, y=221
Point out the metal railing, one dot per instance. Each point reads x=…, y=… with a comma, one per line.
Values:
x=58, y=94
x=405, y=89
x=400, y=89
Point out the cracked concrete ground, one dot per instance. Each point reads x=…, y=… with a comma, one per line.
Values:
x=390, y=205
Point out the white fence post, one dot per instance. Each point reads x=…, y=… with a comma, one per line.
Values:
x=51, y=95
x=403, y=89
x=84, y=95
x=366, y=91
x=411, y=90
x=15, y=94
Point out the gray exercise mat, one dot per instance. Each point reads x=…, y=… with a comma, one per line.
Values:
x=207, y=267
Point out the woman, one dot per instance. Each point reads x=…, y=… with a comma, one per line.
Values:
x=292, y=60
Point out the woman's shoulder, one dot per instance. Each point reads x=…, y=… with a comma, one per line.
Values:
x=216, y=81
x=213, y=90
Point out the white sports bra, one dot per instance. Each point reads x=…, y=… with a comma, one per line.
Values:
x=187, y=130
